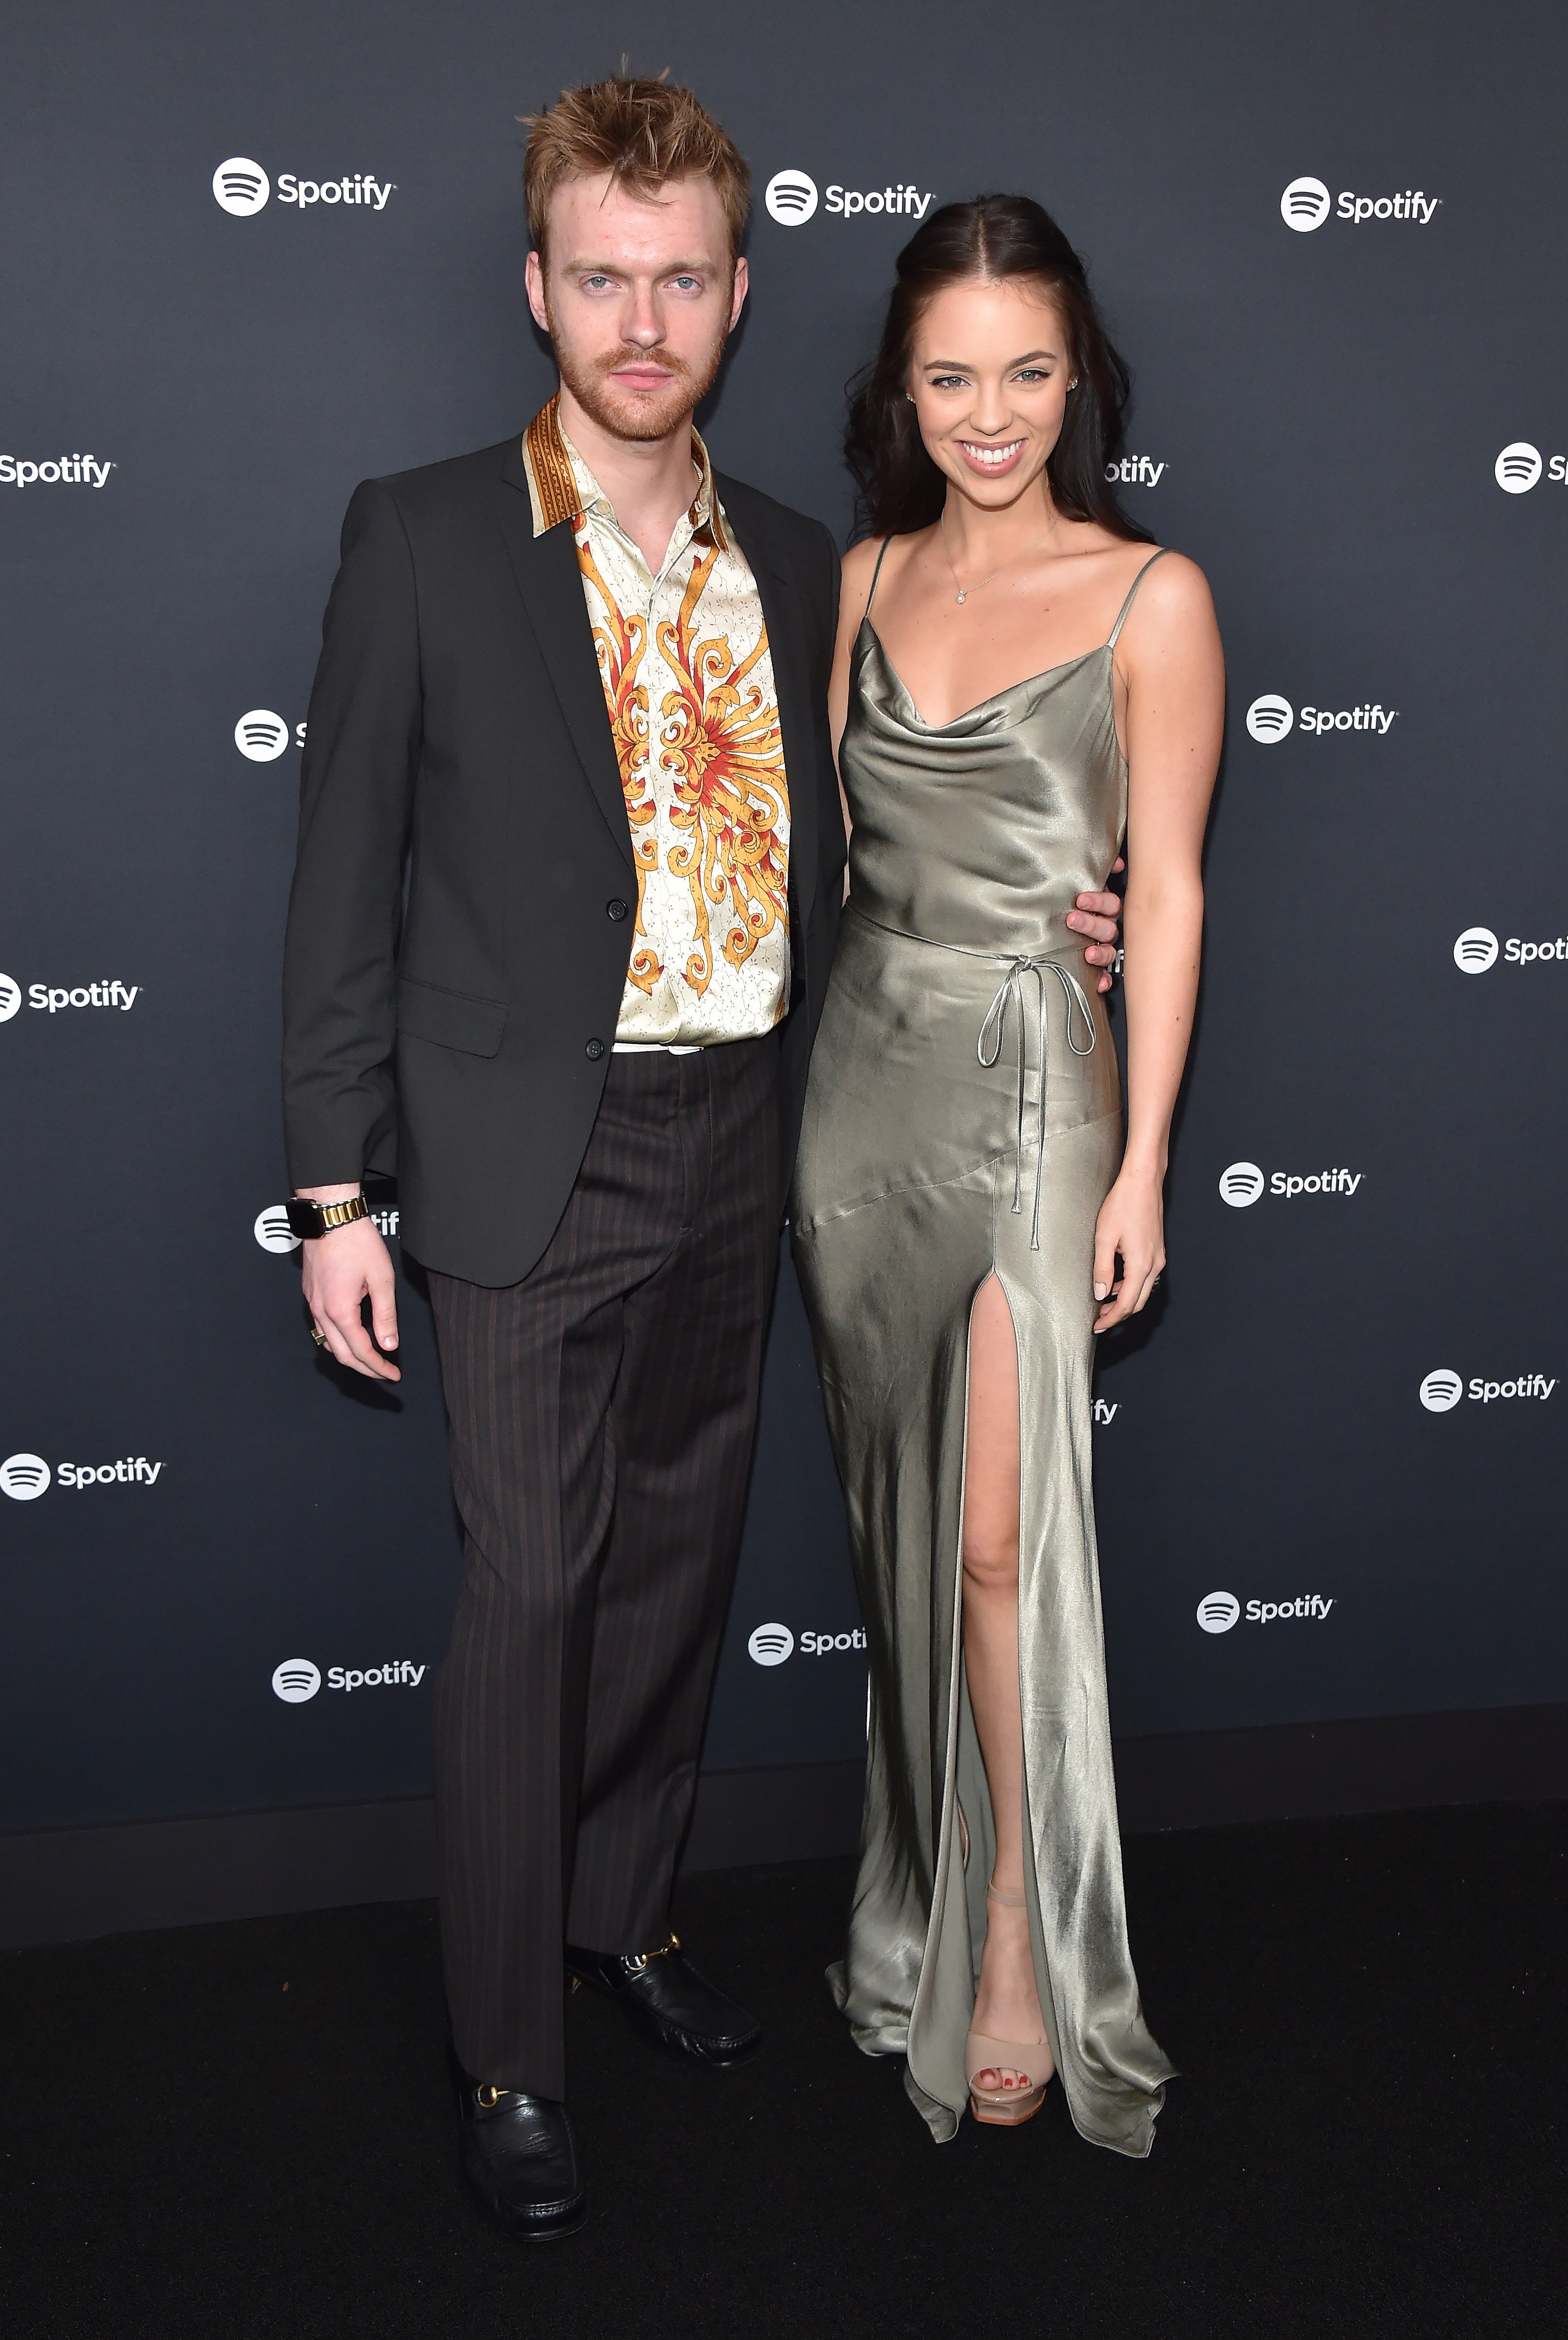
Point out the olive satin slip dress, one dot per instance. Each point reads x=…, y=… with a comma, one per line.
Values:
x=963, y=1117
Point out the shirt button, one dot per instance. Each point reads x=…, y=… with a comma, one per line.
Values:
x=594, y=1050
x=618, y=909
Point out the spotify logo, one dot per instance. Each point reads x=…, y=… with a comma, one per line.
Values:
x=24, y=1476
x=10, y=997
x=791, y=199
x=1240, y=1184
x=262, y=735
x=273, y=1230
x=1517, y=468
x=1218, y=1611
x=1441, y=1392
x=295, y=1680
x=1304, y=205
x=241, y=186
x=1475, y=951
x=770, y=1645
x=1268, y=718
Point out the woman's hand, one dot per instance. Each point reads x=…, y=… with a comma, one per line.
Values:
x=1131, y=1228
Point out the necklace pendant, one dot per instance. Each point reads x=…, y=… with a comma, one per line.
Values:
x=963, y=593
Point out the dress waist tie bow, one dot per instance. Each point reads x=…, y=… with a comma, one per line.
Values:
x=989, y=1047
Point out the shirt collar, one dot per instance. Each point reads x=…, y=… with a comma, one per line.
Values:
x=562, y=487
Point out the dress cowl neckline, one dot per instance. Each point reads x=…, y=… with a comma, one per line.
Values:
x=984, y=705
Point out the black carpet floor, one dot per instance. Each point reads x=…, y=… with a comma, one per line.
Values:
x=243, y=2130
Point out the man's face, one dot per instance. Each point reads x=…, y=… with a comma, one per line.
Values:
x=639, y=298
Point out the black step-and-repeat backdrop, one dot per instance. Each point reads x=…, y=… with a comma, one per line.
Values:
x=251, y=257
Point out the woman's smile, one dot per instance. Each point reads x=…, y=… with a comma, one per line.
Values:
x=991, y=460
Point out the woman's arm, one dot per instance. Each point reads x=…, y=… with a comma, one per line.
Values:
x=1174, y=671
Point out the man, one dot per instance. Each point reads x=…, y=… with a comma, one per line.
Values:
x=579, y=682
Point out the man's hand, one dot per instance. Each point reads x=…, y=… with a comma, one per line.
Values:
x=340, y=1270
x=1098, y=915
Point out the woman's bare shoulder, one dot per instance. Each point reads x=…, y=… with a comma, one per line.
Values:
x=1173, y=596
x=861, y=559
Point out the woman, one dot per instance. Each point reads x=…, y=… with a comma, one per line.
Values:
x=1021, y=681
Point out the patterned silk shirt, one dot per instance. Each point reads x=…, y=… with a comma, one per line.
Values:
x=689, y=690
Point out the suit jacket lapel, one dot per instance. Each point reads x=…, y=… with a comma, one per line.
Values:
x=783, y=615
x=550, y=582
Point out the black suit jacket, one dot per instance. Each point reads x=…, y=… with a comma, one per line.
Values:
x=455, y=1032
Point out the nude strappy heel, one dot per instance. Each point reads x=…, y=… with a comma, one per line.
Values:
x=1016, y=2101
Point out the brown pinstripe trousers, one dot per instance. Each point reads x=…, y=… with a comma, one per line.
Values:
x=601, y=1418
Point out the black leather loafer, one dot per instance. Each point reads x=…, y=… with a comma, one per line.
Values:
x=520, y=2160
x=669, y=2003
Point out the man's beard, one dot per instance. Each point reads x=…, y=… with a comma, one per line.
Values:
x=636, y=414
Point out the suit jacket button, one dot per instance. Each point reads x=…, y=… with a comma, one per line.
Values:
x=618, y=909
x=594, y=1051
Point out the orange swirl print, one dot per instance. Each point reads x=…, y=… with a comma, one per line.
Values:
x=719, y=740
x=619, y=643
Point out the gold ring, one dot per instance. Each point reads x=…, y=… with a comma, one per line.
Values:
x=318, y=1337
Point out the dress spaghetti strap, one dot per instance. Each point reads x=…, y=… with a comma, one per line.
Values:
x=876, y=572
x=1131, y=593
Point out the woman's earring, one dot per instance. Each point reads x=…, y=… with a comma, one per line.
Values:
x=1073, y=384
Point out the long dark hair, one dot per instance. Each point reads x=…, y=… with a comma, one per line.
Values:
x=993, y=237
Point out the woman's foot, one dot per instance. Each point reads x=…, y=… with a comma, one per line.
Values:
x=1007, y=2013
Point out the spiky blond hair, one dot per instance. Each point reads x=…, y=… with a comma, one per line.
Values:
x=644, y=133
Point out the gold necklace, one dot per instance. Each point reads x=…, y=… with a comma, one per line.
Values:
x=963, y=591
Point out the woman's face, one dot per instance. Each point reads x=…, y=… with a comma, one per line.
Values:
x=989, y=376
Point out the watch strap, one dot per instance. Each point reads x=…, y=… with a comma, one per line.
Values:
x=309, y=1220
